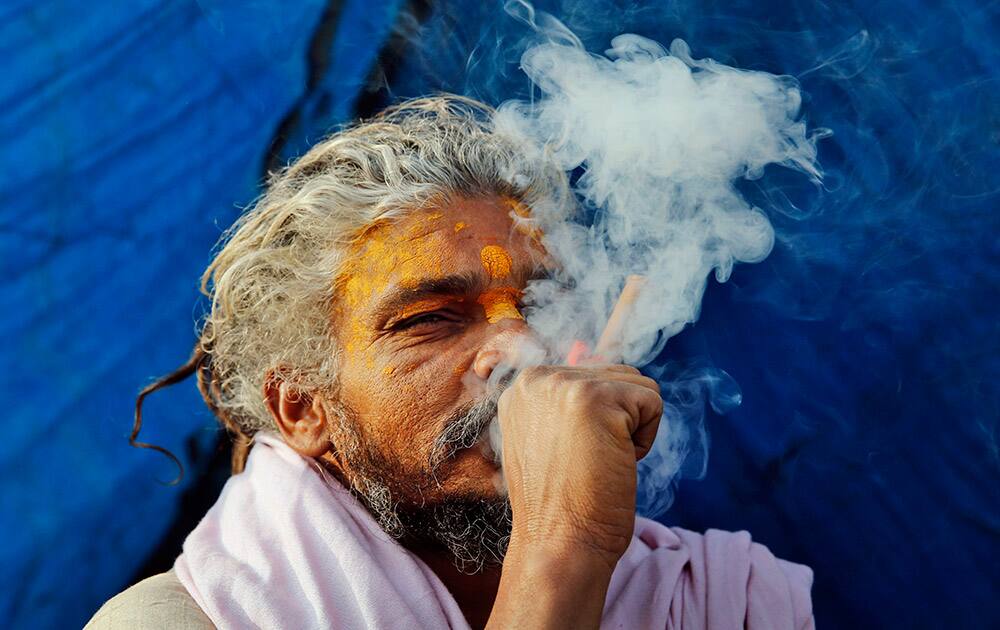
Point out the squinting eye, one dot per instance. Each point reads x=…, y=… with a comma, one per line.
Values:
x=426, y=318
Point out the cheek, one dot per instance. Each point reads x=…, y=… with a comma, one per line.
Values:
x=404, y=405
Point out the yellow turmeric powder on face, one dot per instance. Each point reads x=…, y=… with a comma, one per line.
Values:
x=381, y=255
x=496, y=261
x=500, y=303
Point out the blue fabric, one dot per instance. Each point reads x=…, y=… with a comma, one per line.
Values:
x=866, y=346
x=131, y=132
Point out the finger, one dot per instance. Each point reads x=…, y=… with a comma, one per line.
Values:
x=605, y=371
x=644, y=406
x=616, y=372
x=614, y=367
x=633, y=378
x=645, y=435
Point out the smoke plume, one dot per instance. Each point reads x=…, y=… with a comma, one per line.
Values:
x=657, y=140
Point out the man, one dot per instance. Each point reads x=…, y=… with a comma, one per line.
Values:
x=359, y=311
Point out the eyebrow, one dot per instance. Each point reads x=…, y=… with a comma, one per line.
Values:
x=465, y=284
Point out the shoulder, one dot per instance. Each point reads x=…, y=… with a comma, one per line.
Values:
x=719, y=550
x=727, y=572
x=722, y=550
x=157, y=602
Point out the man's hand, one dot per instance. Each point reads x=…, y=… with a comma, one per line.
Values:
x=571, y=439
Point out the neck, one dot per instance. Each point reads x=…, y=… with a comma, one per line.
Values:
x=475, y=594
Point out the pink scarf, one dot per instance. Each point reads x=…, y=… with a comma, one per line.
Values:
x=285, y=547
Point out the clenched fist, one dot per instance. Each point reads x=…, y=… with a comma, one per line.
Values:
x=571, y=439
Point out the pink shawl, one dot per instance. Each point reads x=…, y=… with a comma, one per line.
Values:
x=283, y=547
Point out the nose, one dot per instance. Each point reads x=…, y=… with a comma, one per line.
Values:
x=486, y=361
x=502, y=347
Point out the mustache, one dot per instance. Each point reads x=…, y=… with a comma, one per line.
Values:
x=466, y=426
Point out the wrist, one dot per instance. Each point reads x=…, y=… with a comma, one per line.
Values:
x=559, y=556
x=551, y=586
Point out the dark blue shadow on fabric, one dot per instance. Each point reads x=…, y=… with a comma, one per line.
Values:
x=866, y=345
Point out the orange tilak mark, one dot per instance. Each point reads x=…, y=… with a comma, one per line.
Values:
x=496, y=261
x=460, y=226
x=500, y=303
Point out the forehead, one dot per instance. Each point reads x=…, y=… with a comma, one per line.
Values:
x=439, y=241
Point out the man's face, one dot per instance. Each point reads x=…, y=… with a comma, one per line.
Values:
x=425, y=308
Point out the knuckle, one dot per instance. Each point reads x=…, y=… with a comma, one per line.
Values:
x=558, y=381
x=657, y=403
x=531, y=373
x=603, y=391
x=574, y=391
x=558, y=376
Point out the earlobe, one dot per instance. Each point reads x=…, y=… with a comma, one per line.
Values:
x=300, y=418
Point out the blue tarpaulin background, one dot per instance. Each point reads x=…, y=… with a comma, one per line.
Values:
x=866, y=345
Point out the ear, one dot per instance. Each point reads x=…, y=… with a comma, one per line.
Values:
x=301, y=419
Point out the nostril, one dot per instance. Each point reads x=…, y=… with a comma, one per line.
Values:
x=486, y=362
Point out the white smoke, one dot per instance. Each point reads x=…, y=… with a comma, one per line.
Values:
x=660, y=138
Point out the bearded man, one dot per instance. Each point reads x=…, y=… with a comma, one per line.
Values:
x=360, y=310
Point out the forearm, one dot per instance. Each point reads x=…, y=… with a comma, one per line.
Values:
x=550, y=588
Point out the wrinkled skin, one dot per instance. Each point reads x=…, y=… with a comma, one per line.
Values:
x=410, y=364
x=414, y=361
